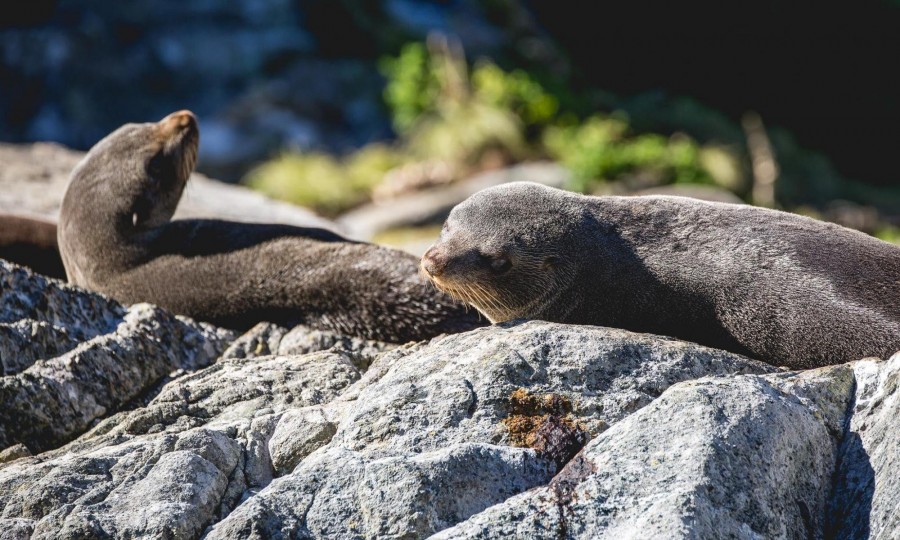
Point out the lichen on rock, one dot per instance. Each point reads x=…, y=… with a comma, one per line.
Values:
x=544, y=424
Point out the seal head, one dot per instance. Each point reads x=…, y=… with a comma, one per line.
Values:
x=133, y=177
x=506, y=259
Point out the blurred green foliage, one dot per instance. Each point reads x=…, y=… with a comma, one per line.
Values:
x=320, y=181
x=516, y=92
x=447, y=110
x=444, y=111
x=601, y=148
x=421, y=82
x=472, y=116
x=412, y=86
x=889, y=233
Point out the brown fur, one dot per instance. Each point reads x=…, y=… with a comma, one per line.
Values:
x=31, y=242
x=116, y=237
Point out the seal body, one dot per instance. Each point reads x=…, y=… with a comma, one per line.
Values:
x=116, y=237
x=31, y=242
x=779, y=287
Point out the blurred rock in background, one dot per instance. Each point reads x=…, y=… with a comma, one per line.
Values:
x=262, y=75
x=339, y=105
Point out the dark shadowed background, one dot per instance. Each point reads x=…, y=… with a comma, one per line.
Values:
x=673, y=92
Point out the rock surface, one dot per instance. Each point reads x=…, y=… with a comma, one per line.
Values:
x=90, y=356
x=750, y=457
x=868, y=487
x=131, y=423
x=423, y=444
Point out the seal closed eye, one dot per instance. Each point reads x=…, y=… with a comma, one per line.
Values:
x=779, y=287
x=116, y=236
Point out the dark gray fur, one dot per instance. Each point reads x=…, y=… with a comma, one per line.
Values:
x=31, y=242
x=779, y=287
x=116, y=237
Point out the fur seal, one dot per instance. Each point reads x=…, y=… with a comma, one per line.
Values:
x=779, y=287
x=31, y=242
x=116, y=237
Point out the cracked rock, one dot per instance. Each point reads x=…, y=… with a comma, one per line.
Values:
x=128, y=422
x=421, y=442
x=106, y=356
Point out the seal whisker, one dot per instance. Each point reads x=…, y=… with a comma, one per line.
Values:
x=492, y=301
x=489, y=299
x=471, y=296
x=489, y=302
x=498, y=302
x=475, y=296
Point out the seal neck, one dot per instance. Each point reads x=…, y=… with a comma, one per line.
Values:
x=97, y=235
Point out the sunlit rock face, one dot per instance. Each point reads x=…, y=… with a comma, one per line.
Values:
x=120, y=421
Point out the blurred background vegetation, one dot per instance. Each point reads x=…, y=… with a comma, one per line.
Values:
x=339, y=105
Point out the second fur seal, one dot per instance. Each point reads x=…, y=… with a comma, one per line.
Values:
x=775, y=286
x=116, y=237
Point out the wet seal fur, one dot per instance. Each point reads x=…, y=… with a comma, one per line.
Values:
x=116, y=237
x=31, y=242
x=779, y=287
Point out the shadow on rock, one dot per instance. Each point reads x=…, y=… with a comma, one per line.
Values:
x=850, y=508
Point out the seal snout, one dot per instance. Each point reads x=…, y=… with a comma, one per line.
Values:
x=177, y=122
x=434, y=262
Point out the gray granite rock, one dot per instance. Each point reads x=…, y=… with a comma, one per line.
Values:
x=434, y=433
x=267, y=339
x=131, y=423
x=298, y=433
x=867, y=484
x=747, y=457
x=171, y=468
x=25, y=341
x=103, y=356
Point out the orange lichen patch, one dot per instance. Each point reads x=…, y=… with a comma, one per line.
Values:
x=544, y=423
x=522, y=429
x=523, y=403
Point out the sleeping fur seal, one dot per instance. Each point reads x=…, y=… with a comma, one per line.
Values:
x=775, y=286
x=116, y=237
